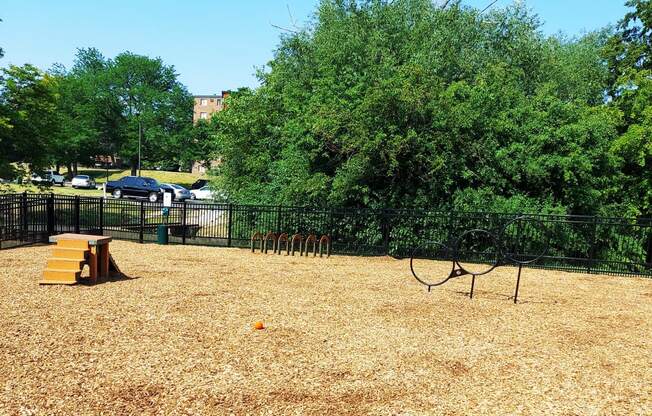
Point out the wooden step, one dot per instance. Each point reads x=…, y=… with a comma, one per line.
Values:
x=60, y=277
x=73, y=244
x=65, y=264
x=70, y=253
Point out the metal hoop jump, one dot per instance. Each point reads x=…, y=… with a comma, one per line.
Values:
x=503, y=254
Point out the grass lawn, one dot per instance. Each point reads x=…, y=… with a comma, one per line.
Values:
x=181, y=178
x=345, y=335
x=65, y=190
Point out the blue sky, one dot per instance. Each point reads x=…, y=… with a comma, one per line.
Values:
x=213, y=44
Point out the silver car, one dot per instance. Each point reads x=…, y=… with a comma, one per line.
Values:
x=180, y=193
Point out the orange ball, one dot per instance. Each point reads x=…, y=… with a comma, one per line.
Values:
x=259, y=325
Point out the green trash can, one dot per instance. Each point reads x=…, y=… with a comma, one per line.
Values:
x=162, y=234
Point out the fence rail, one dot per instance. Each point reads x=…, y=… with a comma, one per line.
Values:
x=588, y=244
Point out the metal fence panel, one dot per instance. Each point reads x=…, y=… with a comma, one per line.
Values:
x=576, y=243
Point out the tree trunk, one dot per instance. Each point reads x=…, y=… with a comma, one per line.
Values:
x=134, y=166
x=74, y=168
x=69, y=167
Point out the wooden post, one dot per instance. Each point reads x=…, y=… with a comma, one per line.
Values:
x=104, y=260
x=92, y=264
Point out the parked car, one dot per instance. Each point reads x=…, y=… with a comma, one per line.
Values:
x=83, y=181
x=137, y=187
x=180, y=193
x=199, y=183
x=202, y=193
x=50, y=177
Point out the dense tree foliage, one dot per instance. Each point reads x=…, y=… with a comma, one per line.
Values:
x=110, y=99
x=404, y=104
x=66, y=117
x=629, y=54
x=27, y=117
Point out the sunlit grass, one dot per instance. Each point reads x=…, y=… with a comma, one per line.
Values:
x=100, y=175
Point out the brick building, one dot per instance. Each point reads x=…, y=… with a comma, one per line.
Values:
x=205, y=106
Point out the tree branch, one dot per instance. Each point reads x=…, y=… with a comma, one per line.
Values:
x=488, y=6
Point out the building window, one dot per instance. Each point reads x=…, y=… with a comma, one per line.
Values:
x=203, y=115
x=204, y=101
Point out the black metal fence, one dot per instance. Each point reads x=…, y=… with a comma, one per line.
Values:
x=576, y=243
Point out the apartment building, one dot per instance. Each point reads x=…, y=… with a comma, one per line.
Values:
x=205, y=106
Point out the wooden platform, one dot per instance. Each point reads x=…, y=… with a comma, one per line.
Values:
x=71, y=253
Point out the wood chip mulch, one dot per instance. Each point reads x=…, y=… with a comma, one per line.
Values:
x=344, y=335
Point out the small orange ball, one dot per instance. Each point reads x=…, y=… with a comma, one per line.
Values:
x=259, y=325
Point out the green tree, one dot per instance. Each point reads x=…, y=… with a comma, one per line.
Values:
x=150, y=97
x=103, y=102
x=28, y=111
x=629, y=53
x=197, y=143
x=404, y=104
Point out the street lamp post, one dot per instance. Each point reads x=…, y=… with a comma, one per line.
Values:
x=140, y=139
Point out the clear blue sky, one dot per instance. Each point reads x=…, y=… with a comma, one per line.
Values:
x=213, y=44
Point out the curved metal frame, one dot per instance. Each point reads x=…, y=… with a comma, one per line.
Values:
x=457, y=250
x=281, y=238
x=256, y=236
x=546, y=241
x=450, y=275
x=459, y=270
x=270, y=235
x=325, y=239
x=294, y=238
x=311, y=239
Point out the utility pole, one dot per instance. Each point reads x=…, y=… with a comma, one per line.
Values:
x=140, y=139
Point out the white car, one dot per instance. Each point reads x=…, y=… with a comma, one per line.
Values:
x=180, y=193
x=202, y=193
x=49, y=177
x=83, y=181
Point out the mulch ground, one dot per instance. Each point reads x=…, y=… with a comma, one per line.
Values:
x=344, y=335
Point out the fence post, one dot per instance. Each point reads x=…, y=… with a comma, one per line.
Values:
x=23, y=209
x=142, y=222
x=648, y=256
x=594, y=223
x=50, y=214
x=385, y=230
x=278, y=220
x=183, y=223
x=230, y=226
x=77, y=214
x=101, y=215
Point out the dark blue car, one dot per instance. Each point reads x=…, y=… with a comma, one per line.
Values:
x=138, y=187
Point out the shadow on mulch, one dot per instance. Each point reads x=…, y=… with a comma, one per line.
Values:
x=501, y=296
x=113, y=278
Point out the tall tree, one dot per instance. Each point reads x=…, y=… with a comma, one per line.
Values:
x=105, y=101
x=152, y=99
x=404, y=104
x=629, y=53
x=28, y=111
